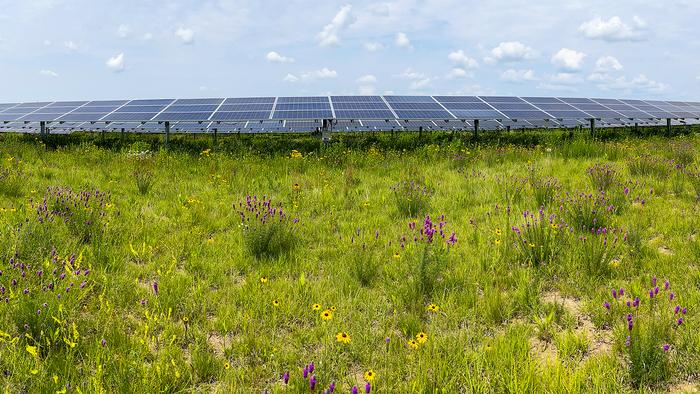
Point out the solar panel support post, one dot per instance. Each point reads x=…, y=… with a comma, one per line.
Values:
x=215, y=136
x=42, y=129
x=668, y=125
x=420, y=132
x=326, y=130
x=476, y=128
x=592, y=127
x=636, y=128
x=508, y=129
x=167, y=133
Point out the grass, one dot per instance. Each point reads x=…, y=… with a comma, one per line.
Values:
x=127, y=267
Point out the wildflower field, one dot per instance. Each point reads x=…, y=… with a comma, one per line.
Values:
x=521, y=263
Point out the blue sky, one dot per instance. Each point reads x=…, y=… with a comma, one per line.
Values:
x=95, y=49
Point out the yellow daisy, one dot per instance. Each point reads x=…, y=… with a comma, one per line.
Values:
x=316, y=307
x=275, y=303
x=433, y=308
x=327, y=315
x=342, y=337
x=370, y=375
x=413, y=344
x=421, y=337
x=263, y=279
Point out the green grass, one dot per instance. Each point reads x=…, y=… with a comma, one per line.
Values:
x=105, y=223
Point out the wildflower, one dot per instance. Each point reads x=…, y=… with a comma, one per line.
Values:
x=679, y=321
x=285, y=377
x=368, y=388
x=653, y=281
x=296, y=187
x=31, y=350
x=354, y=390
x=684, y=311
x=433, y=308
x=316, y=307
x=497, y=232
x=606, y=305
x=227, y=365
x=622, y=292
x=421, y=337
x=263, y=279
x=397, y=255
x=331, y=387
x=387, y=340
x=370, y=375
x=531, y=245
x=666, y=347
x=671, y=296
x=628, y=341
x=155, y=287
x=305, y=371
x=296, y=154
x=275, y=303
x=311, y=367
x=497, y=241
x=614, y=293
x=104, y=342
x=667, y=284
x=365, y=204
x=327, y=315
x=342, y=337
x=312, y=382
x=333, y=308
x=413, y=344
x=677, y=309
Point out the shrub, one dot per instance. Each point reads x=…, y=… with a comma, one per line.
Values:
x=267, y=230
x=540, y=239
x=647, y=165
x=143, y=179
x=585, y=211
x=82, y=212
x=544, y=189
x=602, y=176
x=510, y=188
x=412, y=198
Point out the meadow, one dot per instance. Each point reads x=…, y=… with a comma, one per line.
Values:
x=523, y=262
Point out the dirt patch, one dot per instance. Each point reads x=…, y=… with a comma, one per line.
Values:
x=218, y=343
x=545, y=353
x=665, y=250
x=601, y=341
x=684, y=387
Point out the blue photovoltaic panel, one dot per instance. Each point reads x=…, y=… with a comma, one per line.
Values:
x=245, y=107
x=82, y=117
x=501, y=99
x=356, y=99
x=574, y=100
x=416, y=106
x=192, y=108
x=457, y=99
x=250, y=100
x=409, y=99
x=106, y=103
x=470, y=106
x=161, y=102
x=542, y=100
x=222, y=116
x=130, y=116
x=363, y=114
x=66, y=104
x=212, y=101
x=34, y=105
x=183, y=116
x=360, y=106
x=141, y=108
x=423, y=114
x=94, y=109
x=287, y=100
x=301, y=106
x=310, y=114
x=476, y=114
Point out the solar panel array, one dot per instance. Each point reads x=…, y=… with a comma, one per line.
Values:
x=348, y=113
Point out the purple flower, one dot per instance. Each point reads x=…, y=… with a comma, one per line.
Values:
x=622, y=291
x=651, y=293
x=629, y=317
x=653, y=281
x=38, y=311
x=636, y=302
x=666, y=347
x=387, y=340
x=306, y=372
x=311, y=368
x=331, y=387
x=679, y=321
x=104, y=342
x=667, y=284
x=354, y=390
x=368, y=388
x=606, y=305
x=155, y=287
x=614, y=293
x=628, y=341
x=677, y=309
x=684, y=311
x=671, y=296
x=312, y=382
x=26, y=291
x=656, y=290
x=285, y=377
x=630, y=325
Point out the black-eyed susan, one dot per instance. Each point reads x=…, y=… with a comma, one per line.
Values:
x=333, y=308
x=497, y=241
x=497, y=232
x=370, y=375
x=327, y=315
x=433, y=308
x=227, y=365
x=397, y=255
x=295, y=154
x=275, y=303
x=296, y=187
x=343, y=337
x=263, y=279
x=316, y=307
x=422, y=337
x=413, y=344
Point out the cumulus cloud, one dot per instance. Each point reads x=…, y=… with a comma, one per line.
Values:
x=330, y=35
x=516, y=76
x=48, y=73
x=116, y=63
x=275, y=57
x=123, y=31
x=369, y=78
x=568, y=60
x=562, y=81
x=373, y=46
x=401, y=40
x=418, y=80
x=462, y=59
x=459, y=72
x=324, y=73
x=641, y=83
x=607, y=64
x=186, y=35
x=71, y=46
x=614, y=29
x=367, y=90
x=512, y=51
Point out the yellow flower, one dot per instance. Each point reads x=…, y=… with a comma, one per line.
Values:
x=497, y=241
x=296, y=187
x=327, y=315
x=370, y=375
x=497, y=232
x=206, y=152
x=263, y=279
x=186, y=319
x=554, y=226
x=365, y=204
x=333, y=308
x=275, y=303
x=433, y=308
x=316, y=307
x=397, y=255
x=296, y=154
x=342, y=337
x=31, y=350
x=55, y=379
x=421, y=337
x=532, y=245
x=413, y=344
x=227, y=365
x=109, y=205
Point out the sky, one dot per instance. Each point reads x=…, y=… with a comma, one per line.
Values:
x=99, y=49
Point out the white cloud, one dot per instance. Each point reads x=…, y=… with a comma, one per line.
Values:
x=373, y=46
x=462, y=59
x=640, y=83
x=324, y=73
x=275, y=57
x=418, y=80
x=421, y=83
x=330, y=35
x=568, y=59
x=367, y=90
x=71, y=46
x=562, y=81
x=366, y=79
x=402, y=41
x=123, y=31
x=607, y=64
x=614, y=29
x=116, y=63
x=459, y=72
x=512, y=75
x=186, y=35
x=48, y=73
x=291, y=78
x=147, y=36
x=512, y=51
x=410, y=73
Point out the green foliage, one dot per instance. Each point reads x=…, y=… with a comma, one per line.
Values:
x=540, y=238
x=412, y=198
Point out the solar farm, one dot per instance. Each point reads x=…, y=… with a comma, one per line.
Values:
x=341, y=114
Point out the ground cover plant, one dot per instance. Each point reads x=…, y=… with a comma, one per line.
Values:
x=521, y=262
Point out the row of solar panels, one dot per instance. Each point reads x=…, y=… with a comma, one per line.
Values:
x=290, y=126
x=435, y=108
